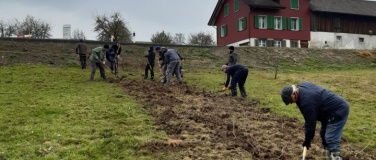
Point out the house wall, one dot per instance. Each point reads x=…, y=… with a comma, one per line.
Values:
x=232, y=34
x=348, y=41
x=235, y=38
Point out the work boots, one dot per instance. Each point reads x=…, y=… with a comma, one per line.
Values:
x=334, y=156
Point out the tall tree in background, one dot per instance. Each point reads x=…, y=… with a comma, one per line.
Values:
x=201, y=39
x=162, y=38
x=78, y=34
x=113, y=25
x=36, y=27
x=179, y=39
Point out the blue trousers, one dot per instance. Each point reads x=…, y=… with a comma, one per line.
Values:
x=239, y=78
x=331, y=132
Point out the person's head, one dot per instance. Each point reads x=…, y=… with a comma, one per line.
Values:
x=231, y=48
x=118, y=43
x=105, y=47
x=81, y=41
x=224, y=68
x=151, y=48
x=157, y=48
x=289, y=94
x=164, y=49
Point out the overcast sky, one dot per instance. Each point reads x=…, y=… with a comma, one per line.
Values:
x=144, y=17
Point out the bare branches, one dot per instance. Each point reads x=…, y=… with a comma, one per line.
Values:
x=113, y=25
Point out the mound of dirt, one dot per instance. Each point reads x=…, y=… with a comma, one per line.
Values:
x=204, y=125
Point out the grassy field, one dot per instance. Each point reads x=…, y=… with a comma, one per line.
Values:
x=357, y=86
x=57, y=113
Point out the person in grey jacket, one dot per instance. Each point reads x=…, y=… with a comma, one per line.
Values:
x=319, y=104
x=81, y=49
x=172, y=59
x=233, y=57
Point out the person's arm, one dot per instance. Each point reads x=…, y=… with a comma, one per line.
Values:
x=181, y=58
x=310, y=112
x=234, y=58
x=77, y=48
x=228, y=77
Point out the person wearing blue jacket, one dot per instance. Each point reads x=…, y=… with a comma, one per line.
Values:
x=110, y=56
x=319, y=104
x=239, y=74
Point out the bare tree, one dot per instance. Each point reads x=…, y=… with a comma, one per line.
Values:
x=12, y=27
x=113, y=25
x=78, y=34
x=2, y=28
x=162, y=38
x=179, y=38
x=201, y=39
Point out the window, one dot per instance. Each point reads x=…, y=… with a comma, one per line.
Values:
x=241, y=24
x=293, y=44
x=361, y=40
x=294, y=4
x=236, y=5
x=261, y=43
x=262, y=22
x=226, y=10
x=223, y=31
x=278, y=23
x=339, y=38
x=277, y=43
x=294, y=24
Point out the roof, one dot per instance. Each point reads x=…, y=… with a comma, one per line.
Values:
x=353, y=7
x=252, y=3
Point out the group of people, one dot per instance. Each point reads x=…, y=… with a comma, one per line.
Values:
x=169, y=63
x=98, y=57
x=315, y=103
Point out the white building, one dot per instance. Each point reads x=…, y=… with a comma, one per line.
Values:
x=66, y=31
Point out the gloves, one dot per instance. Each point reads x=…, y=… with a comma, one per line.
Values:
x=307, y=144
x=224, y=89
x=104, y=62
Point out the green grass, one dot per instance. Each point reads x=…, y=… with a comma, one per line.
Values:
x=358, y=87
x=57, y=113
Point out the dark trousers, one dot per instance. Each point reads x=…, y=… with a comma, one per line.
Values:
x=94, y=66
x=239, y=78
x=83, y=61
x=151, y=68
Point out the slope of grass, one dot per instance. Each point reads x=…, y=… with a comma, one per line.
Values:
x=358, y=87
x=57, y=113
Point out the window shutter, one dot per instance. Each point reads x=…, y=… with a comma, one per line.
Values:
x=283, y=43
x=226, y=10
x=269, y=43
x=294, y=4
x=289, y=23
x=244, y=23
x=236, y=5
x=300, y=24
x=225, y=30
x=268, y=22
x=256, y=42
x=237, y=25
x=256, y=21
x=272, y=22
x=219, y=30
x=283, y=23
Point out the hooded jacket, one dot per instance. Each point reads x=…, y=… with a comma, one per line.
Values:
x=151, y=56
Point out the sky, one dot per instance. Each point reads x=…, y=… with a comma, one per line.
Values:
x=144, y=17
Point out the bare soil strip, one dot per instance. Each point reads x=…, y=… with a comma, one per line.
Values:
x=204, y=125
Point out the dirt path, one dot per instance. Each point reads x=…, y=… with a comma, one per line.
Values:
x=205, y=125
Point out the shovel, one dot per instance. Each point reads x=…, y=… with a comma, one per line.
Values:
x=304, y=152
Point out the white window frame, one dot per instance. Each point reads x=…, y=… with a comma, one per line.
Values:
x=276, y=23
x=263, y=21
x=222, y=30
x=277, y=43
x=296, y=24
x=262, y=42
x=241, y=24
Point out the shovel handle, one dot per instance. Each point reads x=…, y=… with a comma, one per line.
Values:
x=304, y=152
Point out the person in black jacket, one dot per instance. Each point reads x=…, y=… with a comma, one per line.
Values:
x=239, y=74
x=117, y=50
x=150, y=64
x=233, y=57
x=319, y=104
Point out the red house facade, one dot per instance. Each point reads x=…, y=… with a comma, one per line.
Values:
x=278, y=23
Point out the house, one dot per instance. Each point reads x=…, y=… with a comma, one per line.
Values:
x=270, y=23
x=343, y=24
